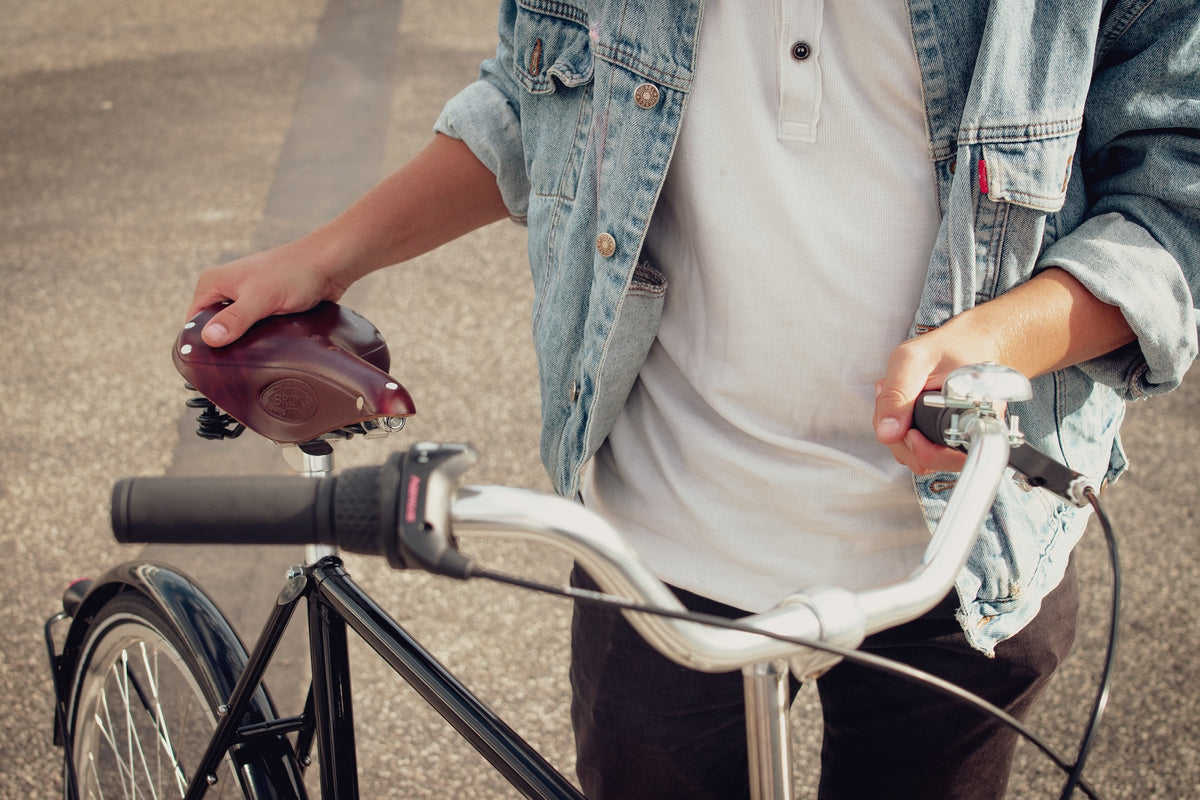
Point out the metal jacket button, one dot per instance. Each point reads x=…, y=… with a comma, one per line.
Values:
x=573, y=392
x=801, y=51
x=646, y=95
x=606, y=245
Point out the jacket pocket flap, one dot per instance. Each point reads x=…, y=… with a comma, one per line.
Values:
x=551, y=48
x=1032, y=173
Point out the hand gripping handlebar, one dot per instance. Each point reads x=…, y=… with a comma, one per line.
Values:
x=412, y=510
x=943, y=417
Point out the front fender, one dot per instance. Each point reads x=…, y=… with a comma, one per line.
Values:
x=207, y=633
x=268, y=770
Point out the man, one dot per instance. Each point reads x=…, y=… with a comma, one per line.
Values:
x=731, y=211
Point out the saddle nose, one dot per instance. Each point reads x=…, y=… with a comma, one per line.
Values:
x=295, y=377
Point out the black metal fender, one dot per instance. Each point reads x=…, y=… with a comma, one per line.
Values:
x=219, y=652
x=205, y=629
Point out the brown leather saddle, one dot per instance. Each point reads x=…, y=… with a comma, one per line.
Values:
x=296, y=377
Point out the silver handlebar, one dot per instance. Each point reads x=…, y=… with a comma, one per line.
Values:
x=821, y=614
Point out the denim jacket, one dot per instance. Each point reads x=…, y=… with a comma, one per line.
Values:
x=1062, y=133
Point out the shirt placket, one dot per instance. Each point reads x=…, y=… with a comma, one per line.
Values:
x=798, y=51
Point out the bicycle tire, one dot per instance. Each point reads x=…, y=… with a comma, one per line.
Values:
x=142, y=707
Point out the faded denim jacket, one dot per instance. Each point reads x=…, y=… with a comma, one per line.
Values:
x=1062, y=133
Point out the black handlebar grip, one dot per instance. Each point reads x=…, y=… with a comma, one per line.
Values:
x=362, y=498
x=355, y=511
x=257, y=509
x=931, y=421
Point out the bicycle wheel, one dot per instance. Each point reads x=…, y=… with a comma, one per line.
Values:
x=142, y=710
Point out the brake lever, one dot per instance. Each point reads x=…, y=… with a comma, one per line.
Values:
x=428, y=478
x=969, y=392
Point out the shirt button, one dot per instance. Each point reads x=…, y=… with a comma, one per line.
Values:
x=646, y=95
x=801, y=51
x=606, y=245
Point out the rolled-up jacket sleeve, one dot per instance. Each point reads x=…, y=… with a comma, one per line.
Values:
x=1139, y=247
x=485, y=115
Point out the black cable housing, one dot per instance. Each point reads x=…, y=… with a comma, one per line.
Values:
x=1073, y=769
x=1110, y=659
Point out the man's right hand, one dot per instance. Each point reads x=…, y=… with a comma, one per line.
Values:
x=277, y=281
x=440, y=194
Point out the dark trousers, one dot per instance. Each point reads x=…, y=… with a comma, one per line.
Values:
x=648, y=728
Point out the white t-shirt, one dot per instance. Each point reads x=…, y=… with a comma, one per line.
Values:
x=794, y=230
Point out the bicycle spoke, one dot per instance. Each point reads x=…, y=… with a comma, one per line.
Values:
x=110, y=735
x=141, y=714
x=134, y=736
x=133, y=740
x=108, y=731
x=160, y=725
x=95, y=779
x=129, y=752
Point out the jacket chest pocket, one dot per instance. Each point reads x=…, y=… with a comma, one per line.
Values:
x=1034, y=173
x=1023, y=189
x=552, y=62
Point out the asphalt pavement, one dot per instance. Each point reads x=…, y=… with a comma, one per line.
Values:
x=141, y=143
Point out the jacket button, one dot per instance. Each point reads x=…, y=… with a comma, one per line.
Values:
x=606, y=245
x=646, y=95
x=801, y=51
x=573, y=392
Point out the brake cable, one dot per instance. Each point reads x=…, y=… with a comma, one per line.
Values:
x=1074, y=770
x=1110, y=658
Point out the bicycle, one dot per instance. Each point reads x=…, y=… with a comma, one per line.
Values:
x=157, y=696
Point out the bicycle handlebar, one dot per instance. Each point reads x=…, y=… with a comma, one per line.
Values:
x=941, y=423
x=256, y=509
x=411, y=510
x=398, y=509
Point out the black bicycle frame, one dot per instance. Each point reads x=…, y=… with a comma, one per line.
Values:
x=335, y=603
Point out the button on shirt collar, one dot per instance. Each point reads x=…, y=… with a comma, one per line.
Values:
x=798, y=28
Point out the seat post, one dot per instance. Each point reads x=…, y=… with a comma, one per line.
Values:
x=315, y=466
x=312, y=462
x=768, y=738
